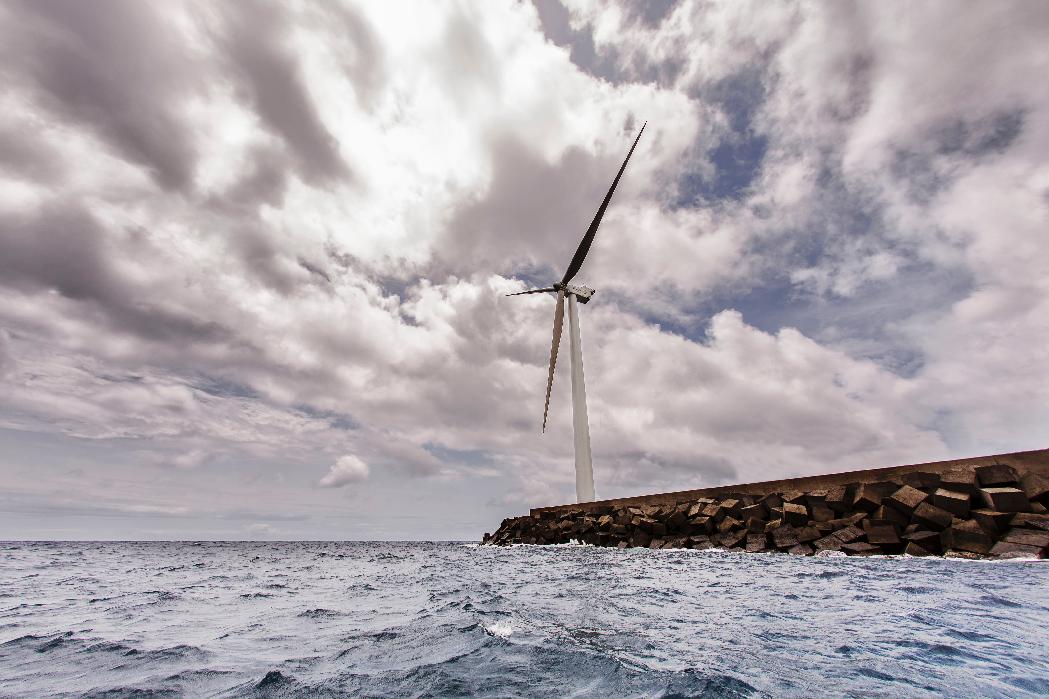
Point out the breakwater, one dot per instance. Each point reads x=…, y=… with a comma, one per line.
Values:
x=985, y=507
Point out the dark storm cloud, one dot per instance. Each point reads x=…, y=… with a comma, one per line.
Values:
x=271, y=80
x=65, y=249
x=117, y=70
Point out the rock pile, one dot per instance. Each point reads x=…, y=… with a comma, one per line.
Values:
x=971, y=512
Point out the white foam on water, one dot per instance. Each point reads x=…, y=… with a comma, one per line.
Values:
x=502, y=628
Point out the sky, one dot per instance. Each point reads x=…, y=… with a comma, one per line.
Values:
x=254, y=255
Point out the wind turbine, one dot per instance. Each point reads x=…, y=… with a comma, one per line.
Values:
x=584, y=469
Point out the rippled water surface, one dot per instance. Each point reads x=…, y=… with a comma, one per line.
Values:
x=419, y=619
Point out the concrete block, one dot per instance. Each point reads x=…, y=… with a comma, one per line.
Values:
x=891, y=514
x=806, y=534
x=821, y=512
x=961, y=480
x=772, y=500
x=1027, y=537
x=757, y=511
x=839, y=498
x=700, y=543
x=930, y=541
x=1039, y=507
x=795, y=514
x=951, y=500
x=1008, y=549
x=996, y=475
x=731, y=539
x=1004, y=499
x=913, y=549
x=906, y=499
x=992, y=521
x=868, y=498
x=701, y=525
x=849, y=533
x=861, y=548
x=756, y=525
x=794, y=496
x=728, y=524
x=712, y=510
x=922, y=480
x=1035, y=487
x=656, y=543
x=1031, y=520
x=756, y=542
x=800, y=550
x=966, y=535
x=732, y=506
x=882, y=535
x=828, y=543
x=815, y=496
x=931, y=517
x=640, y=538
x=784, y=536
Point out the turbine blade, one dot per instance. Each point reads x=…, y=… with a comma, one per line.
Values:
x=533, y=291
x=588, y=239
x=559, y=318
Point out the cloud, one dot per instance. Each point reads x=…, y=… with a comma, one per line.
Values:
x=348, y=469
x=247, y=241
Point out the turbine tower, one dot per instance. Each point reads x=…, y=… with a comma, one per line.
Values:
x=584, y=469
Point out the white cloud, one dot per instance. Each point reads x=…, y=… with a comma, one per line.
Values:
x=299, y=249
x=348, y=469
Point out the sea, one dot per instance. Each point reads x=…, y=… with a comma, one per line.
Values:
x=334, y=619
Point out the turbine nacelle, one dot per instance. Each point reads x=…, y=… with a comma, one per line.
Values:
x=583, y=293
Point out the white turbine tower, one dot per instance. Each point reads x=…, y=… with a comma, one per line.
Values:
x=584, y=469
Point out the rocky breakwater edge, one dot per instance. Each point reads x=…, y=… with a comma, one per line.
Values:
x=987, y=511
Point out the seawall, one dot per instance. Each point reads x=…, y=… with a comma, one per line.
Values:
x=988, y=506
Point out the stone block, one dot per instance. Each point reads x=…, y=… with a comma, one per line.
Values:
x=800, y=550
x=996, y=475
x=922, y=480
x=930, y=541
x=931, y=517
x=951, y=500
x=1035, y=487
x=814, y=496
x=849, y=533
x=961, y=480
x=821, y=512
x=701, y=525
x=795, y=514
x=1027, y=537
x=1039, y=507
x=658, y=529
x=1004, y=499
x=756, y=542
x=966, y=535
x=775, y=513
x=784, y=536
x=906, y=499
x=623, y=545
x=712, y=510
x=993, y=522
x=728, y=524
x=794, y=496
x=839, y=498
x=913, y=549
x=882, y=535
x=656, y=543
x=806, y=534
x=1008, y=549
x=604, y=522
x=861, y=548
x=822, y=527
x=757, y=511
